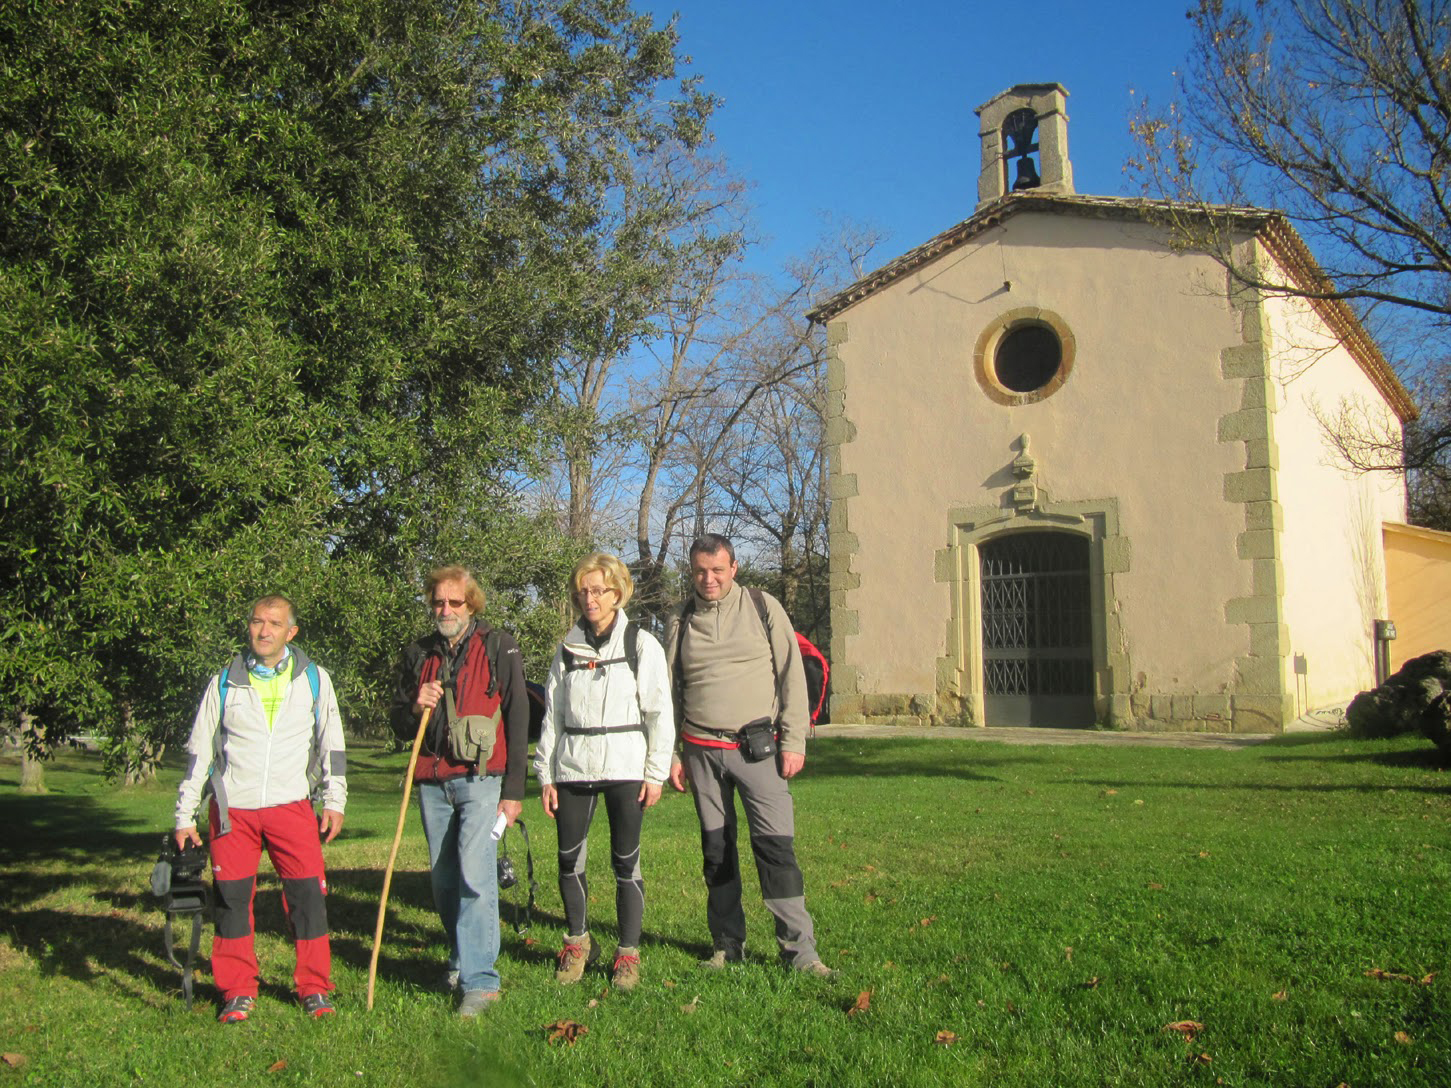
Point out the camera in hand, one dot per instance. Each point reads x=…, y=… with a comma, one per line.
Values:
x=179, y=878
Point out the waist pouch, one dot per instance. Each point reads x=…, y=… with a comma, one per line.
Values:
x=758, y=740
x=471, y=737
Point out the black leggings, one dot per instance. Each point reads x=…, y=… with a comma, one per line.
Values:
x=577, y=801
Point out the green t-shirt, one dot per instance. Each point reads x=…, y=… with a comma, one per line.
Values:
x=273, y=689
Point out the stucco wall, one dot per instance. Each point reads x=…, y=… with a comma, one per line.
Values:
x=1418, y=577
x=1332, y=553
x=1137, y=421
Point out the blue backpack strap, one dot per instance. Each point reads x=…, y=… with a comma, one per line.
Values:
x=314, y=766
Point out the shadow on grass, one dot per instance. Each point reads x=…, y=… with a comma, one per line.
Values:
x=915, y=758
x=1429, y=758
x=73, y=828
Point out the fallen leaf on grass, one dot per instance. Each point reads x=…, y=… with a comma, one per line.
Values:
x=1402, y=1038
x=1068, y=953
x=566, y=1030
x=592, y=1003
x=890, y=965
x=1091, y=984
x=1391, y=976
x=669, y=983
x=869, y=868
x=1186, y=1028
x=692, y=1006
x=870, y=897
x=529, y=942
x=1139, y=801
x=1204, y=853
x=277, y=1067
x=940, y=980
x=1153, y=887
x=1279, y=995
x=1109, y=793
x=925, y=922
x=14, y=1061
x=946, y=1038
x=1200, y=1059
x=862, y=1003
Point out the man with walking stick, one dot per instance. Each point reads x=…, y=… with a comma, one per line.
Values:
x=267, y=732
x=467, y=678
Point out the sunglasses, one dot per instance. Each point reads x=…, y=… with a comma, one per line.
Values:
x=452, y=602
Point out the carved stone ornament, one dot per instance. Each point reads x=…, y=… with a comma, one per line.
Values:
x=1025, y=493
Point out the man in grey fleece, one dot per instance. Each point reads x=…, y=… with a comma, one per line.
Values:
x=735, y=661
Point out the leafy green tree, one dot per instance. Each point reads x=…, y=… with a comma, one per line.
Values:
x=282, y=286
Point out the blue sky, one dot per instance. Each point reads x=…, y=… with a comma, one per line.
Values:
x=865, y=114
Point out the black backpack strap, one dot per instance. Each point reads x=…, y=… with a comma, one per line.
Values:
x=522, y=925
x=491, y=651
x=677, y=672
x=759, y=600
x=193, y=946
x=632, y=648
x=573, y=662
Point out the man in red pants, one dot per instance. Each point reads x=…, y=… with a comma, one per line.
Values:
x=266, y=733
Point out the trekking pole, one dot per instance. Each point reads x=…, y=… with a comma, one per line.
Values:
x=393, y=854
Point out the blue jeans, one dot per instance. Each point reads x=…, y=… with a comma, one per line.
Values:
x=458, y=815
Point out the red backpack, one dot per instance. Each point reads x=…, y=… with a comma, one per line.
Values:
x=817, y=673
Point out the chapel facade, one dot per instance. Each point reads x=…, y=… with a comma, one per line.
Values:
x=1079, y=476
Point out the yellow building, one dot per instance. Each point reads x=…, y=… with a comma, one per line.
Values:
x=1079, y=476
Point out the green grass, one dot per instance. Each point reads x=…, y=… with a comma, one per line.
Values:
x=1247, y=890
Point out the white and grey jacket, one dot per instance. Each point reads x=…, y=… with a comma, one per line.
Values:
x=606, y=724
x=264, y=767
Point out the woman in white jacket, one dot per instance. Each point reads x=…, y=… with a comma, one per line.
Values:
x=608, y=733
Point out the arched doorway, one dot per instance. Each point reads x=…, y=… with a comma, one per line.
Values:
x=1037, y=629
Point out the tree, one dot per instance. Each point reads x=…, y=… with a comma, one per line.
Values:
x=677, y=217
x=282, y=287
x=1338, y=113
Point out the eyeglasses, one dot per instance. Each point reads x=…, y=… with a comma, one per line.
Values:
x=452, y=602
x=595, y=594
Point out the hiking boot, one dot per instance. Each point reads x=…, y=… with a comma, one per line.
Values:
x=817, y=969
x=722, y=956
x=577, y=954
x=317, y=1006
x=626, y=974
x=476, y=1001
x=236, y=1009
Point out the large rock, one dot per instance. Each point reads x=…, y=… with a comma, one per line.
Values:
x=1403, y=704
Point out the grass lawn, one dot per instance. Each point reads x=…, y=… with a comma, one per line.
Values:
x=1044, y=911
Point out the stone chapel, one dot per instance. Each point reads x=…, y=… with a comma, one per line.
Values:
x=1079, y=476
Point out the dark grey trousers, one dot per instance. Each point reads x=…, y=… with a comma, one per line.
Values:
x=716, y=775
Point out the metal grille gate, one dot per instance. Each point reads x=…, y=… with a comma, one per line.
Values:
x=1037, y=627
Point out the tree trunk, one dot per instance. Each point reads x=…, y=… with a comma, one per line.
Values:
x=144, y=754
x=32, y=770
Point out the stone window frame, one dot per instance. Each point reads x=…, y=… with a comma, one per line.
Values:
x=984, y=355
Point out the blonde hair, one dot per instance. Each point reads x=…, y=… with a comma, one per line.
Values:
x=473, y=595
x=614, y=572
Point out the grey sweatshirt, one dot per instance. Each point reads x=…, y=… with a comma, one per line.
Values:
x=725, y=661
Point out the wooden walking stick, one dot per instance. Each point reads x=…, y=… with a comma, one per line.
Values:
x=393, y=854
